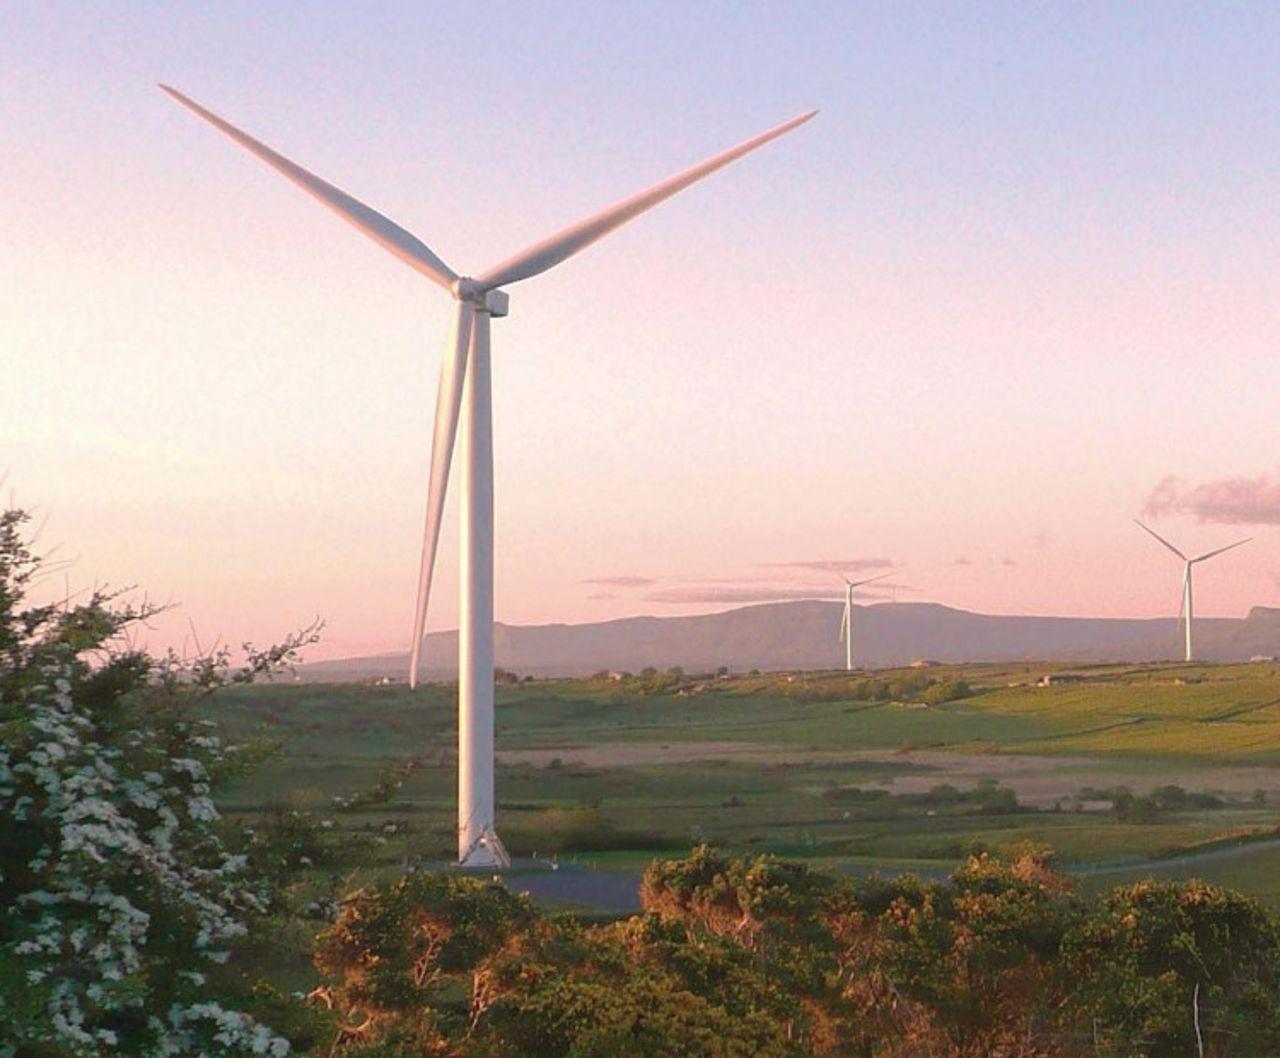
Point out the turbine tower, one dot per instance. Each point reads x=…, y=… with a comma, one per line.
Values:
x=846, y=621
x=1185, y=608
x=463, y=405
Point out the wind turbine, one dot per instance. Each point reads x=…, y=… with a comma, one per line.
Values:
x=1186, y=609
x=464, y=404
x=846, y=621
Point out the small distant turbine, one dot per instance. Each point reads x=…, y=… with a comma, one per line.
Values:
x=846, y=622
x=1185, y=611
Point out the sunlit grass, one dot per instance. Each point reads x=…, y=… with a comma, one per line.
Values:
x=748, y=762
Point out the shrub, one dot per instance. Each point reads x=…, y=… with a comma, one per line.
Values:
x=945, y=691
x=755, y=956
x=120, y=895
x=1155, y=957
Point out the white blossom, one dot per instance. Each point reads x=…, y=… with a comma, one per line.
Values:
x=124, y=844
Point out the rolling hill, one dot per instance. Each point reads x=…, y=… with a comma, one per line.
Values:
x=802, y=635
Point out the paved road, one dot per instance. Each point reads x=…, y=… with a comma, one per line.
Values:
x=1190, y=859
x=602, y=890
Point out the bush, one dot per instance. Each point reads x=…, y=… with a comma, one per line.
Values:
x=1156, y=957
x=945, y=691
x=122, y=892
x=755, y=956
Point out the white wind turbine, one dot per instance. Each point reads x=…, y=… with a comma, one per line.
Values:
x=1185, y=611
x=846, y=621
x=464, y=401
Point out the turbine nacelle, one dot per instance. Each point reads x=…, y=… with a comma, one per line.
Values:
x=495, y=302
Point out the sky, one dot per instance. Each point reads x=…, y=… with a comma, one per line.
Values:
x=1015, y=286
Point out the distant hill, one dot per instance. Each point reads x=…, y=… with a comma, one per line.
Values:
x=802, y=635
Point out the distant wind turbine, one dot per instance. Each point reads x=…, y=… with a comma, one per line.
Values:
x=846, y=621
x=1185, y=611
x=464, y=400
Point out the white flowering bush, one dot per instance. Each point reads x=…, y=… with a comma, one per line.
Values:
x=122, y=892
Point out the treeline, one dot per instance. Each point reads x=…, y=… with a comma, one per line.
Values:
x=917, y=687
x=758, y=958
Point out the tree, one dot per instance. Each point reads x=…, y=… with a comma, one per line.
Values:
x=966, y=969
x=753, y=956
x=399, y=956
x=442, y=964
x=121, y=891
x=1171, y=966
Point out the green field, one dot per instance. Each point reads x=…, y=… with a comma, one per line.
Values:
x=867, y=771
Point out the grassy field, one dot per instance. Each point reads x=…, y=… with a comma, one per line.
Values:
x=868, y=771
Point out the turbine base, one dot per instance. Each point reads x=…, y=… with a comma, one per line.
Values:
x=486, y=851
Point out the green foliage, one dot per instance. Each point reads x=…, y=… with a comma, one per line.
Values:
x=986, y=797
x=756, y=956
x=123, y=894
x=426, y=930
x=286, y=841
x=1134, y=808
x=765, y=904
x=447, y=964
x=945, y=691
x=1156, y=955
x=389, y=782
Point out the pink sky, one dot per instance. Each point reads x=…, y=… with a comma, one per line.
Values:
x=978, y=310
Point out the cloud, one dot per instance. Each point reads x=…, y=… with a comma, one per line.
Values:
x=744, y=593
x=835, y=565
x=1010, y=562
x=602, y=595
x=1227, y=501
x=1040, y=539
x=1164, y=499
x=775, y=578
x=621, y=582
x=963, y=561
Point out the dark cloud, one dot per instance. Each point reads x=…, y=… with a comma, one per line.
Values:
x=1010, y=562
x=1164, y=499
x=776, y=578
x=963, y=561
x=835, y=565
x=621, y=582
x=703, y=593
x=883, y=586
x=1227, y=501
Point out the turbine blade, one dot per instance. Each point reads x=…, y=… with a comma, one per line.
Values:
x=1161, y=539
x=564, y=244
x=871, y=580
x=844, y=623
x=1201, y=558
x=386, y=233
x=453, y=372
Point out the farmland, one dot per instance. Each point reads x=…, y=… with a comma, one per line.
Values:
x=1167, y=769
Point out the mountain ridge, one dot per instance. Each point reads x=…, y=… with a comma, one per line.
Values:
x=803, y=635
